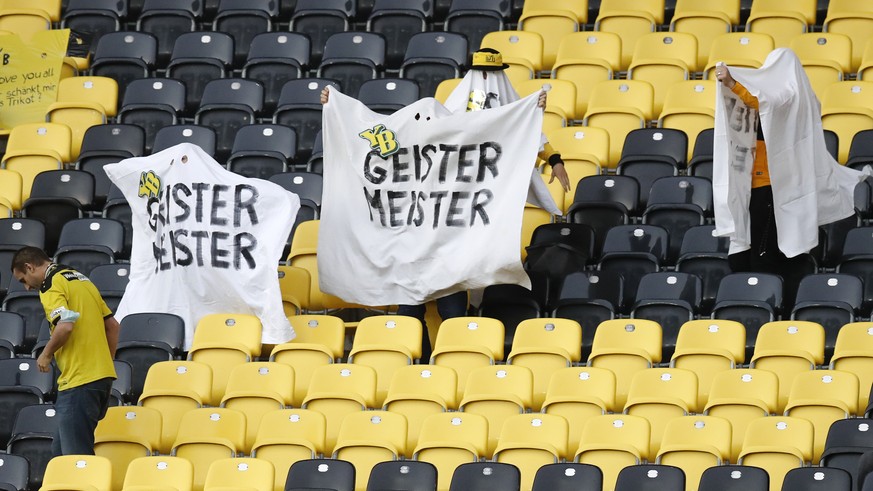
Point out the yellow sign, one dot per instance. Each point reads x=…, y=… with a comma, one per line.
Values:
x=381, y=139
x=29, y=75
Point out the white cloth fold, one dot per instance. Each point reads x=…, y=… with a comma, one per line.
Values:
x=810, y=188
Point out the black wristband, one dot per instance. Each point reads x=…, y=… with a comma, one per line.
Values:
x=555, y=159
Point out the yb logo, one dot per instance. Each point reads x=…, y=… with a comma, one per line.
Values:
x=381, y=139
x=149, y=184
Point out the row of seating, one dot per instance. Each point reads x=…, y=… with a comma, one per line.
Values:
x=340, y=475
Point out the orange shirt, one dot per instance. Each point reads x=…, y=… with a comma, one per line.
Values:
x=760, y=171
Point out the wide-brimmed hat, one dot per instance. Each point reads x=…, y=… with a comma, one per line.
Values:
x=489, y=60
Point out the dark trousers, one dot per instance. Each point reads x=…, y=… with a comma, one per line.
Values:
x=764, y=255
x=454, y=305
x=78, y=411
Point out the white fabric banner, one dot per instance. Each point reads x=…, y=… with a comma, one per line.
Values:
x=810, y=188
x=422, y=203
x=205, y=240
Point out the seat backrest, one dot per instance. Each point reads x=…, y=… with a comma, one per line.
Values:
x=636, y=335
x=482, y=476
x=637, y=238
x=172, y=471
x=388, y=94
x=93, y=232
x=153, y=327
x=622, y=189
x=242, y=330
x=682, y=190
x=162, y=92
x=670, y=285
x=701, y=239
x=831, y=287
x=735, y=478
x=73, y=470
x=233, y=91
x=444, y=45
x=168, y=136
x=321, y=474
x=751, y=286
x=122, y=140
x=286, y=46
x=568, y=476
x=661, y=142
x=217, y=46
x=409, y=475
x=650, y=477
x=114, y=46
x=356, y=45
x=19, y=232
x=817, y=479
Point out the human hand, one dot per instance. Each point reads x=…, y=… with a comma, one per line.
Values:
x=44, y=362
x=325, y=95
x=724, y=75
x=541, y=102
x=560, y=172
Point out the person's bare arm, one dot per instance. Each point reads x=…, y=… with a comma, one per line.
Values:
x=60, y=335
x=112, y=329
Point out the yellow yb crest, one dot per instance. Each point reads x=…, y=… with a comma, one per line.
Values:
x=149, y=184
x=381, y=139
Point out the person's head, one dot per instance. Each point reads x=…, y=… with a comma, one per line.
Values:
x=29, y=265
x=488, y=60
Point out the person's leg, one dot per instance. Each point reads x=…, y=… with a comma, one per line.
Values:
x=78, y=411
x=765, y=255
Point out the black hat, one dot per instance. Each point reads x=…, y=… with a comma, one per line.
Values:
x=489, y=60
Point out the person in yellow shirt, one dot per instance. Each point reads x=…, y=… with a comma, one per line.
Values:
x=84, y=335
x=764, y=255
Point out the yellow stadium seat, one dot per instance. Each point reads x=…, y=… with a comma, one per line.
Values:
x=777, y=444
x=613, y=442
x=83, y=102
x=783, y=21
x=68, y=472
x=6, y=210
x=448, y=440
x=174, y=388
x=705, y=20
x=159, y=473
x=865, y=70
x=579, y=394
x=825, y=57
x=579, y=8
x=742, y=396
x=25, y=22
x=625, y=346
x=386, y=343
x=822, y=397
x=854, y=19
x=552, y=25
x=522, y=45
x=545, y=345
x=319, y=342
x=663, y=59
x=466, y=343
x=417, y=391
x=36, y=147
x=531, y=440
x=10, y=189
x=224, y=341
x=304, y=246
x=497, y=392
x=126, y=433
x=367, y=438
x=445, y=88
x=209, y=434
x=689, y=106
x=707, y=347
x=847, y=107
x=853, y=353
x=337, y=390
x=240, y=473
x=659, y=395
x=630, y=19
x=519, y=70
x=286, y=436
x=560, y=101
x=788, y=348
x=255, y=389
x=584, y=151
x=619, y=106
x=51, y=7
x=695, y=443
x=586, y=58
x=742, y=49
x=294, y=286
